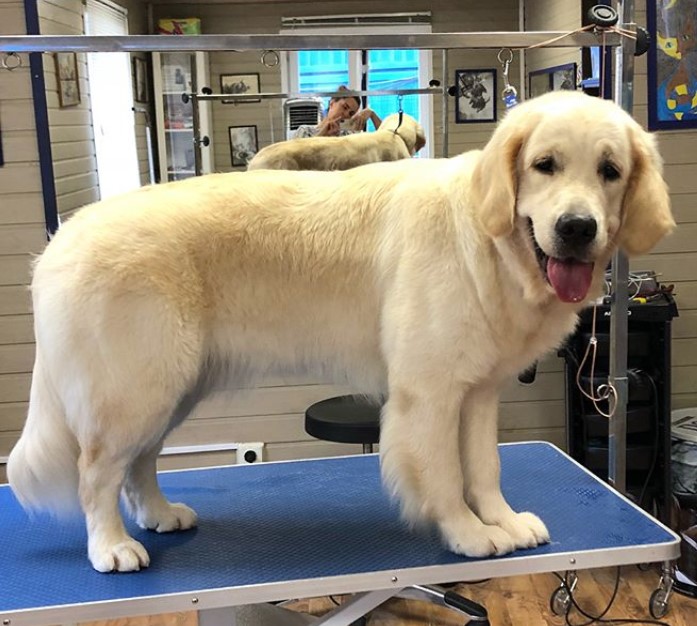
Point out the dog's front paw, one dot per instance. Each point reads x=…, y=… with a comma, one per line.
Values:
x=477, y=540
x=125, y=556
x=526, y=529
x=168, y=518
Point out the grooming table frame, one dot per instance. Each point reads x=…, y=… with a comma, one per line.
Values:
x=275, y=531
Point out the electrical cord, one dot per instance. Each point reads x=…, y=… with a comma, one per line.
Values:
x=656, y=445
x=605, y=391
x=600, y=619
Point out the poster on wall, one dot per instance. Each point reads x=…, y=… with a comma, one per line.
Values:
x=476, y=96
x=67, y=79
x=140, y=80
x=672, y=64
x=560, y=77
x=244, y=144
x=239, y=84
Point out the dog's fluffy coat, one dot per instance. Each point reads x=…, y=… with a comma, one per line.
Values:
x=416, y=278
x=395, y=139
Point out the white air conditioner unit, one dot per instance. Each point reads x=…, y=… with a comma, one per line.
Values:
x=301, y=111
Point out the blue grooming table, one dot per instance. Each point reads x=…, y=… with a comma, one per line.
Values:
x=273, y=531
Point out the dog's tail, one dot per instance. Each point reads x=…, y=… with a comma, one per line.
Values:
x=42, y=468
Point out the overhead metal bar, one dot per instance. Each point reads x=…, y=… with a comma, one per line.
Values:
x=347, y=93
x=239, y=43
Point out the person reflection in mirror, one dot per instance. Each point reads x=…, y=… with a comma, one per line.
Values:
x=343, y=118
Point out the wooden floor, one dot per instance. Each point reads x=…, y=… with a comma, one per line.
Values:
x=517, y=601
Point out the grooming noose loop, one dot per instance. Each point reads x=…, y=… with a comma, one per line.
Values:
x=400, y=110
x=270, y=58
x=11, y=61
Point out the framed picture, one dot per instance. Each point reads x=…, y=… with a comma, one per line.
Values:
x=140, y=80
x=672, y=64
x=475, y=95
x=552, y=79
x=67, y=79
x=239, y=84
x=243, y=144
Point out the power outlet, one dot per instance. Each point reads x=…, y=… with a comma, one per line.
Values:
x=250, y=452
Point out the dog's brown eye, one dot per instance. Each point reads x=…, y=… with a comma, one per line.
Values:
x=546, y=165
x=609, y=172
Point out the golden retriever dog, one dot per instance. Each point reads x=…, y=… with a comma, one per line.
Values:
x=433, y=293
x=392, y=141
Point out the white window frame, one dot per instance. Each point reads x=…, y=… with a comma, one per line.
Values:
x=289, y=65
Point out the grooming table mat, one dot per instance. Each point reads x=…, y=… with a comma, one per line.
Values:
x=274, y=531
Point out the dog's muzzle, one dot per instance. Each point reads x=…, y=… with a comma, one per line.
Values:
x=569, y=271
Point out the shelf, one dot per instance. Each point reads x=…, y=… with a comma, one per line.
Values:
x=173, y=117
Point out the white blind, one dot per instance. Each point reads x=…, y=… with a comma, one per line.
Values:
x=105, y=18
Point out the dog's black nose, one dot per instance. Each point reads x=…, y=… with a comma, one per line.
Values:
x=576, y=230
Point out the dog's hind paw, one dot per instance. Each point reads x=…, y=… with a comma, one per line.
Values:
x=527, y=530
x=169, y=518
x=124, y=556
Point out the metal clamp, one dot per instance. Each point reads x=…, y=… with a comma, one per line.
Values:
x=11, y=61
x=275, y=58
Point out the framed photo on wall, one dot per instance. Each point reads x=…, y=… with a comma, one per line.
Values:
x=672, y=64
x=549, y=79
x=475, y=96
x=140, y=80
x=244, y=144
x=67, y=79
x=239, y=84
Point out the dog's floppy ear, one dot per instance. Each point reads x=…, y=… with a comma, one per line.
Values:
x=495, y=178
x=646, y=213
x=420, y=139
x=409, y=130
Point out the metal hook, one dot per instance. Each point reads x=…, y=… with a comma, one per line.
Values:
x=17, y=61
x=509, y=93
x=275, y=59
x=509, y=56
x=505, y=57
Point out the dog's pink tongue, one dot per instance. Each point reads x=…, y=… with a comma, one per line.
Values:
x=570, y=279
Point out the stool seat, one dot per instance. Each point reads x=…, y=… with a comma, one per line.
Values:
x=344, y=419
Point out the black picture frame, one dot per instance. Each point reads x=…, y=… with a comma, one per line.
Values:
x=248, y=83
x=244, y=144
x=141, y=92
x=476, y=96
x=557, y=78
x=672, y=79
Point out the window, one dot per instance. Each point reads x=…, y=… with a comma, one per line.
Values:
x=111, y=98
x=325, y=70
x=391, y=70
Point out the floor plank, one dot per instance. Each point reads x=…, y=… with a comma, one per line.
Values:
x=514, y=601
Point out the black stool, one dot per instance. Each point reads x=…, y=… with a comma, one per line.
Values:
x=345, y=419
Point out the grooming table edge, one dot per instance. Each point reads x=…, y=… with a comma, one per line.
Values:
x=266, y=495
